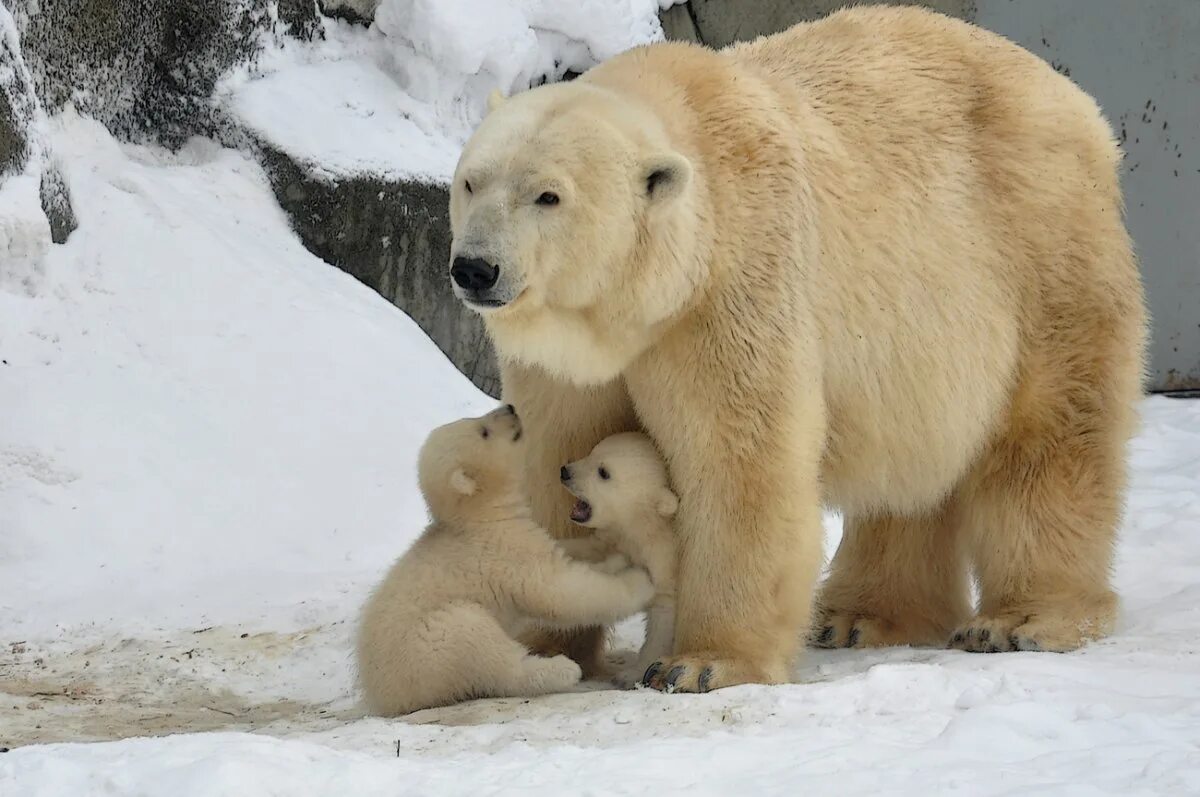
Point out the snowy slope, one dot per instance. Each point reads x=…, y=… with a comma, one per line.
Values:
x=199, y=414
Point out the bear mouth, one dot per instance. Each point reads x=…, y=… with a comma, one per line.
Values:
x=581, y=512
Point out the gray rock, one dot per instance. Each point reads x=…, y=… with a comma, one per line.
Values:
x=20, y=113
x=56, y=203
x=16, y=105
x=679, y=24
x=394, y=237
x=358, y=11
x=718, y=23
x=146, y=69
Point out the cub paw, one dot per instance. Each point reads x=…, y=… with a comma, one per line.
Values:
x=613, y=564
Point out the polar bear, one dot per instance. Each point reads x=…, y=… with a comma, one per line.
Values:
x=623, y=494
x=876, y=262
x=440, y=627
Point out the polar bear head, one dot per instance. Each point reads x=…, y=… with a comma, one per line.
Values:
x=618, y=483
x=574, y=220
x=472, y=465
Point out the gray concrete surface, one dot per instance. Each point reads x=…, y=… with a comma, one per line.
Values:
x=1141, y=60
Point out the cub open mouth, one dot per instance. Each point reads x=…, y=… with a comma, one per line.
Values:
x=581, y=512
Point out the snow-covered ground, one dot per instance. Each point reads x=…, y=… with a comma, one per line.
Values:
x=206, y=459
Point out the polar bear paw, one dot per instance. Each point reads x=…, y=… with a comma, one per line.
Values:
x=1054, y=628
x=701, y=673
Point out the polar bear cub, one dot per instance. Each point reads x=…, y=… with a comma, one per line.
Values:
x=441, y=626
x=623, y=493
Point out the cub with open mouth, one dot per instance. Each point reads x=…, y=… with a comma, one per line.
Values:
x=624, y=496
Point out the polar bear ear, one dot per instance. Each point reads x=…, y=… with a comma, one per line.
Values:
x=495, y=100
x=461, y=483
x=666, y=503
x=666, y=175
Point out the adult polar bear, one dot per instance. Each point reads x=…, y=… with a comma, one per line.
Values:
x=876, y=262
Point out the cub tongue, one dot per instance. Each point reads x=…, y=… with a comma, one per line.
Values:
x=581, y=512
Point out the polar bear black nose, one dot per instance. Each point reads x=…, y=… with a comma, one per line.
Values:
x=474, y=273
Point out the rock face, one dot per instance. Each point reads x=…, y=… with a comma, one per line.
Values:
x=144, y=68
x=395, y=238
x=35, y=206
x=14, y=93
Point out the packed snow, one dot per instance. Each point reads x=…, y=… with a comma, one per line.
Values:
x=399, y=100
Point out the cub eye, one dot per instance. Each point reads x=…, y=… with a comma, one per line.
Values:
x=548, y=199
x=484, y=433
x=603, y=473
x=467, y=185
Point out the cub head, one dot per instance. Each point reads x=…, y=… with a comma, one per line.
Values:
x=471, y=465
x=573, y=218
x=622, y=479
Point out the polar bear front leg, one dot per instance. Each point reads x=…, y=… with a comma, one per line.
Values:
x=749, y=523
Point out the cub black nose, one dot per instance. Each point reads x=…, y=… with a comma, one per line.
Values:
x=474, y=273
x=564, y=473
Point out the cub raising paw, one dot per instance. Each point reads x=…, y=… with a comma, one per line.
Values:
x=624, y=496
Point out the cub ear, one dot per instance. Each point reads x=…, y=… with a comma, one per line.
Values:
x=495, y=100
x=666, y=503
x=461, y=483
x=665, y=175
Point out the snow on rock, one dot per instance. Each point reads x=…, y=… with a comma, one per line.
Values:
x=24, y=228
x=399, y=100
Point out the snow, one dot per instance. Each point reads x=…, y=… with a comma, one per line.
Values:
x=400, y=99
x=193, y=393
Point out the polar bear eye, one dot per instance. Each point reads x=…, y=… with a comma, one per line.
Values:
x=467, y=185
x=604, y=474
x=547, y=199
x=484, y=433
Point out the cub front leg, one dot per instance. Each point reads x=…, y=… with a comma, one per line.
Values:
x=562, y=423
x=578, y=595
x=587, y=549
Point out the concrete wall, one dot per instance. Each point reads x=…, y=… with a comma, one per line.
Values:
x=1141, y=60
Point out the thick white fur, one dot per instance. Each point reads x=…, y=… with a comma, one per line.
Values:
x=441, y=626
x=875, y=262
x=624, y=483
